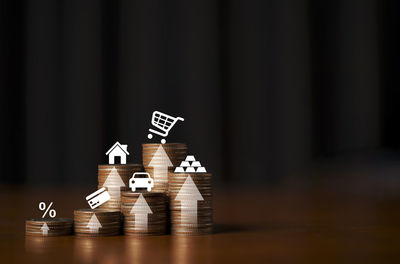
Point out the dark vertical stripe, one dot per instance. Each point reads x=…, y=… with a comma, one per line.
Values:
x=322, y=81
x=84, y=146
x=389, y=67
x=44, y=124
x=225, y=51
x=60, y=95
x=12, y=86
x=109, y=39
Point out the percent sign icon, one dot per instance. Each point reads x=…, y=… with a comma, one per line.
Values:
x=43, y=207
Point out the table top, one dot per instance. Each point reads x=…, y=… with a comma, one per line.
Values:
x=319, y=219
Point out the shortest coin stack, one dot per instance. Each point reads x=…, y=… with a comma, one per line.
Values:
x=48, y=227
x=97, y=222
x=145, y=213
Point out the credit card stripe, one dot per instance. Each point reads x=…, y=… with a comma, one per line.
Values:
x=95, y=193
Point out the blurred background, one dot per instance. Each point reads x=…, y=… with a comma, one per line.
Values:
x=268, y=89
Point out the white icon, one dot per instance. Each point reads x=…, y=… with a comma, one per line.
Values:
x=46, y=209
x=98, y=198
x=117, y=150
x=141, y=180
x=114, y=183
x=160, y=163
x=94, y=224
x=164, y=123
x=189, y=195
x=141, y=209
x=190, y=165
x=45, y=229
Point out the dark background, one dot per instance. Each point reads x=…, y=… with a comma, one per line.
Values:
x=268, y=89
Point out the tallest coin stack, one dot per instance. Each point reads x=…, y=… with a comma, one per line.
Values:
x=159, y=159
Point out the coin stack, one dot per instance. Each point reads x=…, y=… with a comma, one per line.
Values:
x=158, y=159
x=145, y=213
x=97, y=222
x=116, y=178
x=48, y=226
x=190, y=203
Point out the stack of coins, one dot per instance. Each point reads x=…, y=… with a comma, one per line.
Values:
x=48, y=227
x=158, y=159
x=115, y=178
x=97, y=222
x=145, y=213
x=190, y=203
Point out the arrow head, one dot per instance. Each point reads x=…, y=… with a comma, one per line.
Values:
x=94, y=223
x=45, y=227
x=189, y=191
x=141, y=206
x=160, y=159
x=114, y=179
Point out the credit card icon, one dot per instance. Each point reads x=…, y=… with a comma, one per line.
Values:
x=98, y=198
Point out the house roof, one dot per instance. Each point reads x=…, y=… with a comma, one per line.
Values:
x=117, y=144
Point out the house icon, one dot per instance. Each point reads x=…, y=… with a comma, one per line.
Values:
x=117, y=150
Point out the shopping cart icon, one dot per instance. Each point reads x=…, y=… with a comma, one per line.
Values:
x=164, y=123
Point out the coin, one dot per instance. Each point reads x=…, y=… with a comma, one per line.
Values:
x=97, y=222
x=191, y=213
x=110, y=177
x=145, y=213
x=154, y=156
x=48, y=226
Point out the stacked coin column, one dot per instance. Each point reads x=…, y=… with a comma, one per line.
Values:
x=190, y=203
x=115, y=178
x=145, y=213
x=159, y=159
x=48, y=227
x=97, y=222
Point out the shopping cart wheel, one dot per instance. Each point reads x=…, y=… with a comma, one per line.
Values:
x=163, y=141
x=150, y=136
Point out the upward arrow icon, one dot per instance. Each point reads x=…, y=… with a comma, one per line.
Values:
x=160, y=163
x=114, y=183
x=141, y=209
x=45, y=229
x=94, y=224
x=189, y=195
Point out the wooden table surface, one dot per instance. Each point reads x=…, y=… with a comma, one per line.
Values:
x=325, y=218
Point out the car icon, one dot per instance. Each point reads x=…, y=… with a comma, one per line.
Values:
x=141, y=180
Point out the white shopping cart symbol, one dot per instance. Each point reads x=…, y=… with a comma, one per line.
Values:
x=164, y=123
